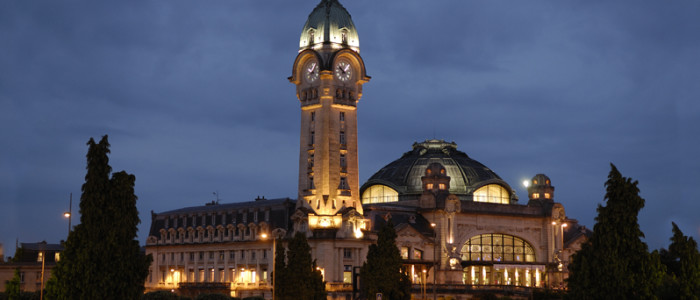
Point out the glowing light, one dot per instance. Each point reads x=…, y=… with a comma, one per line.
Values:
x=358, y=233
x=325, y=222
x=554, y=223
x=564, y=225
x=66, y=214
x=526, y=183
x=264, y=235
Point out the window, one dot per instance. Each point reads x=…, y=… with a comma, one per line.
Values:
x=417, y=254
x=311, y=183
x=343, y=161
x=201, y=275
x=182, y=256
x=497, y=247
x=201, y=255
x=379, y=194
x=347, y=253
x=40, y=257
x=428, y=186
x=342, y=116
x=547, y=195
x=404, y=252
x=492, y=193
x=191, y=256
x=535, y=195
x=313, y=116
x=211, y=274
x=242, y=254
x=311, y=139
x=347, y=274
x=232, y=255
x=211, y=255
x=441, y=186
x=21, y=277
x=342, y=137
x=221, y=255
x=57, y=256
x=252, y=254
x=162, y=257
x=264, y=253
x=343, y=184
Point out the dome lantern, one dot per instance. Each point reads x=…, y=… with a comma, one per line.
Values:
x=329, y=26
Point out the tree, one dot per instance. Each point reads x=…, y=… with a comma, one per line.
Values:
x=300, y=278
x=682, y=261
x=382, y=272
x=614, y=263
x=102, y=258
x=279, y=273
x=12, y=288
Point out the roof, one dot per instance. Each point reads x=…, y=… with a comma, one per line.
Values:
x=329, y=23
x=275, y=212
x=466, y=174
x=41, y=246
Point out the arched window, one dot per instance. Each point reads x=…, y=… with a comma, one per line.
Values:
x=492, y=193
x=379, y=193
x=497, y=248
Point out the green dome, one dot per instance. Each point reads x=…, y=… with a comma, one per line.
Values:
x=329, y=24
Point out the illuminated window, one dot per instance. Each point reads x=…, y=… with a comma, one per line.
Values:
x=57, y=256
x=40, y=257
x=404, y=252
x=547, y=181
x=547, y=195
x=428, y=186
x=347, y=274
x=379, y=194
x=492, y=193
x=417, y=254
x=535, y=195
x=442, y=186
x=534, y=181
x=497, y=247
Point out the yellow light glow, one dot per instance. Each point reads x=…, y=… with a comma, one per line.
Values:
x=324, y=222
x=564, y=225
x=264, y=235
x=358, y=233
x=66, y=214
x=554, y=223
x=526, y=183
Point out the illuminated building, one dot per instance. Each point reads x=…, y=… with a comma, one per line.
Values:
x=29, y=259
x=461, y=230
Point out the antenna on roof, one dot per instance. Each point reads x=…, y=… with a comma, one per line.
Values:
x=216, y=194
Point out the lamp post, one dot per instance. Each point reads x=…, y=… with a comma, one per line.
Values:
x=69, y=213
x=274, y=253
x=433, y=225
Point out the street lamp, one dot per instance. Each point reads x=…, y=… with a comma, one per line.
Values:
x=433, y=225
x=69, y=213
x=274, y=253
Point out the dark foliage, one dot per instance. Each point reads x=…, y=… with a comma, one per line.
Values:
x=382, y=272
x=300, y=280
x=212, y=297
x=682, y=261
x=163, y=295
x=614, y=263
x=102, y=258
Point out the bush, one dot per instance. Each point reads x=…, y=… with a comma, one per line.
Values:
x=212, y=297
x=163, y=295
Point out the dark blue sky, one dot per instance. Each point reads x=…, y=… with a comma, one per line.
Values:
x=195, y=100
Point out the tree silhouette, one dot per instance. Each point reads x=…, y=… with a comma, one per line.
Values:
x=102, y=258
x=614, y=263
x=382, y=272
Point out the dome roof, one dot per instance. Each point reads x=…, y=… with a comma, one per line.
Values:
x=329, y=24
x=466, y=175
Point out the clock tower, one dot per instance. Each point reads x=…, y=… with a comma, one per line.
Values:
x=328, y=73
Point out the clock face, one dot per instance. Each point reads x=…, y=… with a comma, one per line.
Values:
x=311, y=71
x=343, y=71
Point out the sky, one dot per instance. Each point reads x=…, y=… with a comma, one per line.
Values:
x=195, y=99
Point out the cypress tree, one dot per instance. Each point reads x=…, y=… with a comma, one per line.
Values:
x=382, y=272
x=102, y=258
x=614, y=263
x=682, y=261
x=301, y=279
x=281, y=277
